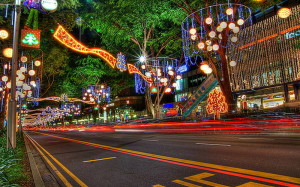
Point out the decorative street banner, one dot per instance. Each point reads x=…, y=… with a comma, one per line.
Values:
x=133, y=69
x=30, y=38
x=58, y=99
x=65, y=38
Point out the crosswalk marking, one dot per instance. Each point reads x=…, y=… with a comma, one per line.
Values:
x=187, y=184
x=199, y=178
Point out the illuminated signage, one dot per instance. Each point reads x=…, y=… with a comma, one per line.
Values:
x=291, y=35
x=49, y=5
x=182, y=69
x=30, y=38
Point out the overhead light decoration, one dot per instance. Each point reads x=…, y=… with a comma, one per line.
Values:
x=8, y=52
x=24, y=59
x=3, y=34
x=284, y=12
x=37, y=63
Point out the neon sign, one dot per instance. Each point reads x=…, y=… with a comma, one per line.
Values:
x=182, y=69
x=291, y=35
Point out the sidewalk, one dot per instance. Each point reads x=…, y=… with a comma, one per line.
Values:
x=41, y=174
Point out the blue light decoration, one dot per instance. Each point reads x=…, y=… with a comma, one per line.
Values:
x=212, y=29
x=121, y=62
x=162, y=71
x=64, y=98
x=98, y=93
x=183, y=68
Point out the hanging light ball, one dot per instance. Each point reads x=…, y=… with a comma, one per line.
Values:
x=8, y=52
x=220, y=36
x=5, y=66
x=231, y=25
x=1, y=89
x=234, y=39
x=219, y=29
x=212, y=34
x=232, y=63
x=171, y=73
x=37, y=63
x=193, y=37
x=24, y=59
x=229, y=11
x=284, y=12
x=201, y=45
x=208, y=42
x=148, y=74
x=143, y=66
x=215, y=47
x=19, y=72
x=204, y=67
x=163, y=80
x=240, y=21
x=208, y=71
x=223, y=24
x=235, y=29
x=209, y=48
x=5, y=78
x=31, y=72
x=21, y=77
x=8, y=84
x=168, y=90
x=178, y=77
x=84, y=98
x=23, y=69
x=32, y=83
x=19, y=83
x=174, y=84
x=193, y=31
x=208, y=20
x=3, y=34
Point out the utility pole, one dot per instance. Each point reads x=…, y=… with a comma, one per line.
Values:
x=12, y=105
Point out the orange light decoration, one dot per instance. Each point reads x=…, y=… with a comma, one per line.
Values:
x=133, y=69
x=58, y=99
x=66, y=39
x=216, y=103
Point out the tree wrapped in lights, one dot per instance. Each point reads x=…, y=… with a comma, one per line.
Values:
x=97, y=93
x=208, y=32
x=162, y=73
x=216, y=104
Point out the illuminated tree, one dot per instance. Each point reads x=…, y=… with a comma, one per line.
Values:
x=216, y=104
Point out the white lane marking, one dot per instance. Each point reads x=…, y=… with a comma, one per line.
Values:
x=213, y=144
x=152, y=140
x=255, y=139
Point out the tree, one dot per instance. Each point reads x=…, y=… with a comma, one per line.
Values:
x=221, y=72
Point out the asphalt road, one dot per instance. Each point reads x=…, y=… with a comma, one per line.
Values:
x=173, y=160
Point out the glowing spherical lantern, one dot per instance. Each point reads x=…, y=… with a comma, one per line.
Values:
x=178, y=77
x=19, y=83
x=24, y=59
x=21, y=77
x=3, y=34
x=31, y=72
x=231, y=25
x=148, y=74
x=204, y=67
x=219, y=29
x=193, y=37
x=215, y=47
x=209, y=48
x=208, y=71
x=223, y=24
x=32, y=83
x=19, y=72
x=174, y=84
x=8, y=85
x=171, y=72
x=168, y=90
x=193, y=31
x=163, y=80
x=84, y=98
x=5, y=78
x=23, y=69
x=212, y=34
x=220, y=36
x=232, y=63
x=1, y=89
x=208, y=42
x=37, y=63
x=8, y=52
x=284, y=12
x=201, y=45
x=240, y=21
x=234, y=39
x=229, y=11
x=235, y=29
x=143, y=66
x=208, y=20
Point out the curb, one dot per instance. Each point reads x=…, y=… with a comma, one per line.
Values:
x=37, y=178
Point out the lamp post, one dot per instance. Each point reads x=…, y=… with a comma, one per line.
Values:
x=12, y=105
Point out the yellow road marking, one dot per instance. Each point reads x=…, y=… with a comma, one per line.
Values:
x=99, y=159
x=253, y=184
x=185, y=183
x=199, y=178
x=61, y=165
x=158, y=185
x=213, y=166
x=62, y=178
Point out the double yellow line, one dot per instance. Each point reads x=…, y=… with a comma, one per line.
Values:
x=41, y=150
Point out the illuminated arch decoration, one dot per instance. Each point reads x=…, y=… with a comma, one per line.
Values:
x=58, y=99
x=133, y=69
x=66, y=39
